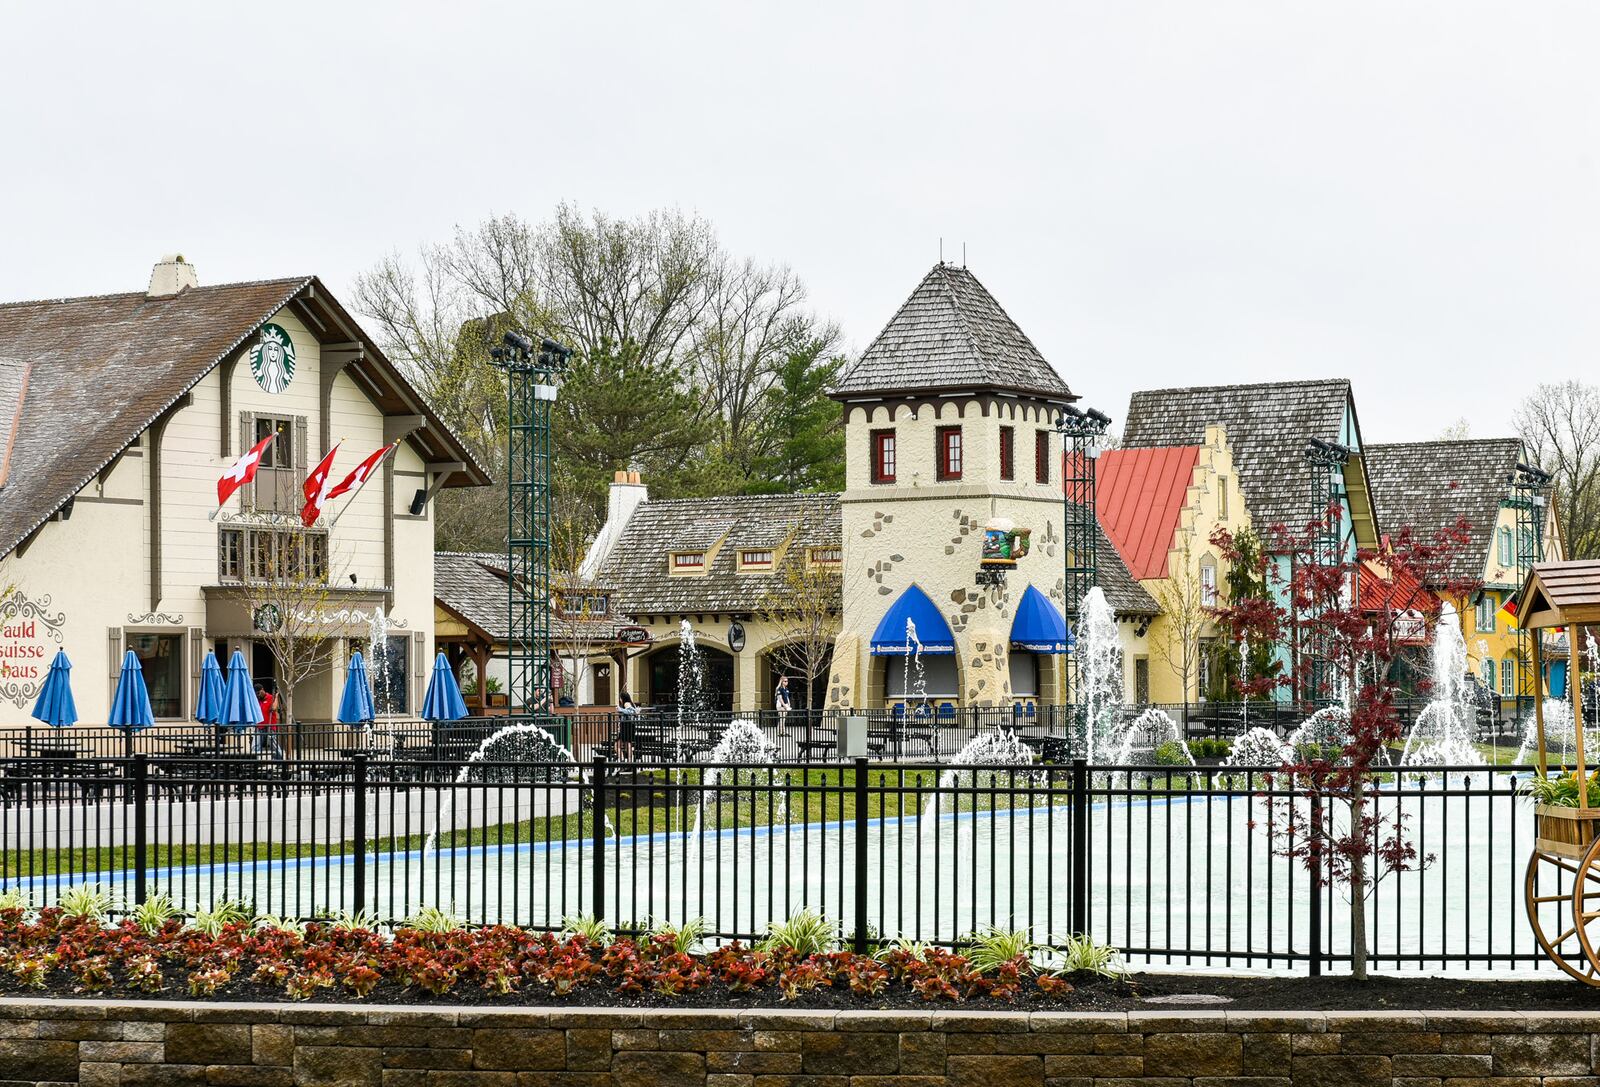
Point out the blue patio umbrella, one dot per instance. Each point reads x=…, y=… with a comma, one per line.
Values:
x=355, y=706
x=443, y=702
x=130, y=705
x=208, y=701
x=239, y=705
x=55, y=706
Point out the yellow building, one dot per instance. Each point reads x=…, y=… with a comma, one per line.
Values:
x=1161, y=506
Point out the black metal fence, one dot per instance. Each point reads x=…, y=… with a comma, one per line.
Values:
x=1173, y=866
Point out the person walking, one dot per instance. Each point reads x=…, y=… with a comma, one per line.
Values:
x=267, y=731
x=782, y=702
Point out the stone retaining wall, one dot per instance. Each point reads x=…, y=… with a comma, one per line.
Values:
x=135, y=1043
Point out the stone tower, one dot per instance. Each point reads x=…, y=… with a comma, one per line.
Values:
x=949, y=420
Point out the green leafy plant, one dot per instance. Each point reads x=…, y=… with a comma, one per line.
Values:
x=911, y=949
x=359, y=921
x=1171, y=753
x=1084, y=955
x=87, y=902
x=272, y=921
x=1561, y=791
x=806, y=932
x=595, y=932
x=685, y=938
x=221, y=915
x=429, y=919
x=14, y=899
x=993, y=947
x=154, y=912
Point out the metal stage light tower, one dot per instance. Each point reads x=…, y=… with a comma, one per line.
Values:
x=531, y=374
x=1327, y=461
x=1080, y=535
x=1528, y=485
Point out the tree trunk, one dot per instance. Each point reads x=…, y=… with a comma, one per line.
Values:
x=1358, y=888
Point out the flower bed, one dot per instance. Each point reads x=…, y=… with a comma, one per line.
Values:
x=55, y=951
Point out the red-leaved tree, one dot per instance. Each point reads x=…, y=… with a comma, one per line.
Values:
x=1344, y=618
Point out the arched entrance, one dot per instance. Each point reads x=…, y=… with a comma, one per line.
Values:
x=780, y=662
x=661, y=671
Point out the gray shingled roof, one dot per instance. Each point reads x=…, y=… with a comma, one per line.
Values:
x=472, y=584
x=951, y=334
x=637, y=564
x=1431, y=485
x=638, y=567
x=104, y=368
x=1267, y=427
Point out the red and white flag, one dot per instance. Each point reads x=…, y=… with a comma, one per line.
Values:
x=243, y=470
x=316, y=488
x=363, y=472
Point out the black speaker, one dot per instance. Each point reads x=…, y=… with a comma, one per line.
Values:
x=419, y=502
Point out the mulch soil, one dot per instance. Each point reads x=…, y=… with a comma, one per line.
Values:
x=1176, y=992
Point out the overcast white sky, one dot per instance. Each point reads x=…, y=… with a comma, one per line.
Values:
x=1160, y=193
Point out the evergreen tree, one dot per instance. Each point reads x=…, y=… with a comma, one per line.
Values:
x=801, y=440
x=1240, y=658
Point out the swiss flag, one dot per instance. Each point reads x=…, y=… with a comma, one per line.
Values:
x=243, y=470
x=362, y=472
x=316, y=489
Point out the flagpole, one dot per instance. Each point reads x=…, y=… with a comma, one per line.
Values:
x=359, y=488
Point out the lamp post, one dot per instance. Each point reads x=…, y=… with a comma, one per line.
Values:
x=531, y=375
x=1528, y=485
x=1080, y=535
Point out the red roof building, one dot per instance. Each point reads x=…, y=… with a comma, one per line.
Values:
x=1140, y=495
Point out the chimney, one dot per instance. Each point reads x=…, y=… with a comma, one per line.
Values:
x=626, y=494
x=170, y=276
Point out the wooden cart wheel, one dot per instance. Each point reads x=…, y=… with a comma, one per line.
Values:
x=1563, y=900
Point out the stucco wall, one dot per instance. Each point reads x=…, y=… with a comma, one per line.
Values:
x=94, y=569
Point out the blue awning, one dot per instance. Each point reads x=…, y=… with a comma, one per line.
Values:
x=1038, y=626
x=933, y=633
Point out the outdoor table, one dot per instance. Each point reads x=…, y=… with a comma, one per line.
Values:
x=51, y=747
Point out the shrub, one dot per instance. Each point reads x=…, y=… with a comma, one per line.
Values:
x=994, y=947
x=804, y=933
x=86, y=902
x=1171, y=753
x=595, y=933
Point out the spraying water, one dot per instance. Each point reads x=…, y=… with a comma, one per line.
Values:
x=517, y=752
x=1443, y=732
x=1322, y=735
x=1560, y=743
x=1099, y=652
x=691, y=683
x=914, y=680
x=739, y=781
x=990, y=760
x=1154, y=740
x=1258, y=747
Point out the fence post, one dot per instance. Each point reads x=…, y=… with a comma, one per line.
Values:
x=599, y=785
x=860, y=943
x=141, y=830
x=1080, y=847
x=359, y=818
x=1315, y=951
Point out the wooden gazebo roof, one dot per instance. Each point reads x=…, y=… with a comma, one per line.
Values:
x=1560, y=593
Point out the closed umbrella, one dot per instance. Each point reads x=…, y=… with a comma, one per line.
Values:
x=208, y=703
x=55, y=706
x=443, y=701
x=355, y=707
x=239, y=705
x=130, y=704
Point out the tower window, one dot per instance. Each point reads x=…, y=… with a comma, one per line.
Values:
x=949, y=450
x=1041, y=456
x=1007, y=464
x=883, y=456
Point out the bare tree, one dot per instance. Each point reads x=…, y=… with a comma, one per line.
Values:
x=1185, y=605
x=1458, y=431
x=1560, y=424
x=582, y=607
x=804, y=601
x=286, y=589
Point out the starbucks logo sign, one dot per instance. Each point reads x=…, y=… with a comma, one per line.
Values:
x=272, y=359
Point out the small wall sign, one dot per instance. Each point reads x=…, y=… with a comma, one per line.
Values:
x=272, y=359
x=30, y=634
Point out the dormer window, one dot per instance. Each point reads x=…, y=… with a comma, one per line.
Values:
x=827, y=556
x=581, y=605
x=688, y=562
x=755, y=560
x=948, y=440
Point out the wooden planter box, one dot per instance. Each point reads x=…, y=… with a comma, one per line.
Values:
x=1566, y=832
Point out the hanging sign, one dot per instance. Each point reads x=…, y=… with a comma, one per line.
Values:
x=30, y=634
x=272, y=359
x=1003, y=543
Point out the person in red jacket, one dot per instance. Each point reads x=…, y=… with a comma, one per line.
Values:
x=267, y=730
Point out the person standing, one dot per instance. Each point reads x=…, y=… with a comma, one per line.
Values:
x=628, y=714
x=267, y=731
x=781, y=701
